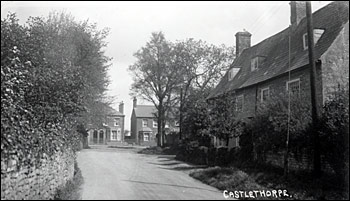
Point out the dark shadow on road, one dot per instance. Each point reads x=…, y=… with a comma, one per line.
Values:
x=117, y=147
x=167, y=156
x=166, y=164
x=183, y=168
x=166, y=160
x=174, y=185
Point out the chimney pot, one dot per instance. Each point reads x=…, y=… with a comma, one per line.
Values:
x=297, y=11
x=135, y=102
x=243, y=41
x=121, y=107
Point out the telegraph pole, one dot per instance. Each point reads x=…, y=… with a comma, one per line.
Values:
x=181, y=96
x=314, y=102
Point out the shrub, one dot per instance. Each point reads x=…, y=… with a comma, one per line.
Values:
x=334, y=132
x=333, y=127
x=51, y=69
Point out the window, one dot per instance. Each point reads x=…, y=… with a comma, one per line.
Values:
x=116, y=121
x=254, y=63
x=239, y=103
x=145, y=137
x=119, y=134
x=155, y=124
x=144, y=123
x=236, y=142
x=265, y=94
x=114, y=135
x=293, y=87
x=317, y=35
x=232, y=73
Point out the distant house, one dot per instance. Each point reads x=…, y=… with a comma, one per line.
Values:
x=280, y=63
x=111, y=131
x=144, y=125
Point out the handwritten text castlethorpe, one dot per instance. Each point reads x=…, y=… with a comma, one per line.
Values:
x=256, y=194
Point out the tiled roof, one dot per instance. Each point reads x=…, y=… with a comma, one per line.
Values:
x=277, y=52
x=111, y=111
x=150, y=111
x=147, y=111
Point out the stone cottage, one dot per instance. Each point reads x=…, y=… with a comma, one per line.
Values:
x=280, y=63
x=111, y=130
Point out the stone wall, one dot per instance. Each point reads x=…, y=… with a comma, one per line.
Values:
x=335, y=65
x=302, y=162
x=36, y=182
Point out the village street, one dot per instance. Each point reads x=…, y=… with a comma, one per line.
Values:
x=122, y=173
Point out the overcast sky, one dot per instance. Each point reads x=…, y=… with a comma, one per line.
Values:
x=131, y=25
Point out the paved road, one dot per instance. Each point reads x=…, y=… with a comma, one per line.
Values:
x=119, y=173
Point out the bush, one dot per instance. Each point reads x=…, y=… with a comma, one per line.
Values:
x=222, y=156
x=334, y=133
x=230, y=179
x=333, y=127
x=190, y=151
x=51, y=69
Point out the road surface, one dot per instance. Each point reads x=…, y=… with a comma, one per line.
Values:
x=120, y=173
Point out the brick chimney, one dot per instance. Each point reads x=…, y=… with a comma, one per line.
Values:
x=134, y=102
x=242, y=41
x=121, y=107
x=297, y=11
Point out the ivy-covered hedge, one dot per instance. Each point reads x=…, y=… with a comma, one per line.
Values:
x=256, y=140
x=267, y=133
x=51, y=70
x=269, y=129
x=334, y=133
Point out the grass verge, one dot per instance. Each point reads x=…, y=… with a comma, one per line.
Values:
x=159, y=150
x=300, y=186
x=71, y=191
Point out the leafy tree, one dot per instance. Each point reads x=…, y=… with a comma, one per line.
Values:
x=165, y=69
x=52, y=70
x=204, y=64
x=156, y=76
x=224, y=123
x=196, y=120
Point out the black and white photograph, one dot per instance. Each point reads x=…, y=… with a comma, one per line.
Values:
x=174, y=100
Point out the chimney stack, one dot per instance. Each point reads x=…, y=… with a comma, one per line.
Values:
x=121, y=107
x=242, y=41
x=135, y=102
x=297, y=11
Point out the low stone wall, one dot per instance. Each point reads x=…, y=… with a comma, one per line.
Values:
x=303, y=162
x=39, y=182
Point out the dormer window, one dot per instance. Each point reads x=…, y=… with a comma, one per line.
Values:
x=232, y=73
x=317, y=35
x=255, y=62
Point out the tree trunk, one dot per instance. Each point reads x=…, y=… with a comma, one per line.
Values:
x=160, y=123
x=85, y=142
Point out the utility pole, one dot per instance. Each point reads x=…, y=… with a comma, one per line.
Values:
x=314, y=102
x=181, y=96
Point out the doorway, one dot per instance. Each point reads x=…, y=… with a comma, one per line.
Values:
x=101, y=137
x=95, y=137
